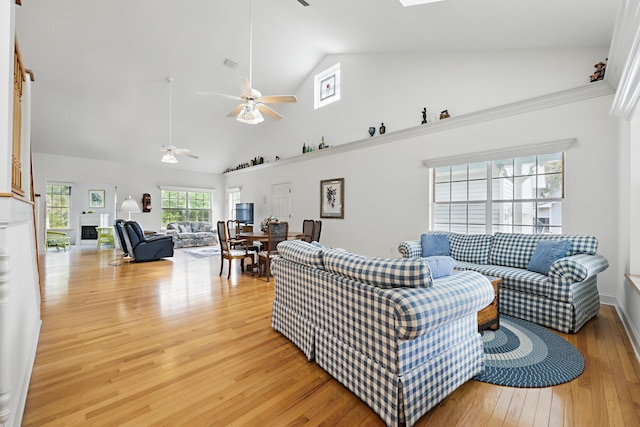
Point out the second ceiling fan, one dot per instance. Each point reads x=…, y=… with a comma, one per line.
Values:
x=253, y=102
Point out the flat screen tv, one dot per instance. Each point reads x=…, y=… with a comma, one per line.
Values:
x=244, y=213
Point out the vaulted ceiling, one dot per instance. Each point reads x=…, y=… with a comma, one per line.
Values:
x=101, y=67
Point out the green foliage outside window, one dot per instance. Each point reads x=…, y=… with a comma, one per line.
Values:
x=58, y=206
x=180, y=206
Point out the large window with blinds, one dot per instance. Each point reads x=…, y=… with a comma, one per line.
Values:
x=512, y=195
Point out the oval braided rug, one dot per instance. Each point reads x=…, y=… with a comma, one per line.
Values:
x=523, y=354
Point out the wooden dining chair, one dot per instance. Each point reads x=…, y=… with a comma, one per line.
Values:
x=229, y=252
x=307, y=230
x=278, y=232
x=317, y=228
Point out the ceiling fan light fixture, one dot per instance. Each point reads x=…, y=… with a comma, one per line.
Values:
x=169, y=158
x=250, y=115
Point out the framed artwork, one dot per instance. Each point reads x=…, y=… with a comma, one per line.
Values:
x=332, y=198
x=328, y=87
x=96, y=198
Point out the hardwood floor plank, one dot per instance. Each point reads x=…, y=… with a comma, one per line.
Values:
x=171, y=343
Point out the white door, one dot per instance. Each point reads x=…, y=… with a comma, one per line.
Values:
x=281, y=201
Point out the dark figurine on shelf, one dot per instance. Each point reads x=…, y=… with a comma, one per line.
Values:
x=601, y=67
x=444, y=114
x=372, y=131
x=382, y=129
x=424, y=115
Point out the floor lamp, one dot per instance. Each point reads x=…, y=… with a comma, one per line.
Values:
x=130, y=206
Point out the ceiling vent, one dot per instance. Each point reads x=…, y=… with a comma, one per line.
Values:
x=229, y=63
x=304, y=3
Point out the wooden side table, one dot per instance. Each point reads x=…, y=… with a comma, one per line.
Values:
x=489, y=317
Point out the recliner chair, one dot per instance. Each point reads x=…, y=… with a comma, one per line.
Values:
x=143, y=248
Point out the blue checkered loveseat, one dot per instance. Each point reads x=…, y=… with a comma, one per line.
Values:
x=398, y=339
x=565, y=299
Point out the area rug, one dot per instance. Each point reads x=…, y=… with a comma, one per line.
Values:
x=523, y=354
x=203, y=252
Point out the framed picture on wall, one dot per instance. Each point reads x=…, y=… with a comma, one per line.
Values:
x=96, y=198
x=332, y=198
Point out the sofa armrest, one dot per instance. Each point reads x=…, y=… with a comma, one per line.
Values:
x=172, y=233
x=410, y=249
x=576, y=268
x=420, y=310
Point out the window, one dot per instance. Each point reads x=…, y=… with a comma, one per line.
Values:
x=326, y=87
x=513, y=195
x=233, y=197
x=185, y=206
x=58, y=206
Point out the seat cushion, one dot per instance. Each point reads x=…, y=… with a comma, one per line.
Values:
x=518, y=279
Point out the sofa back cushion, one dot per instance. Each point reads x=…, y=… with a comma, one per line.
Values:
x=473, y=248
x=516, y=250
x=302, y=252
x=380, y=272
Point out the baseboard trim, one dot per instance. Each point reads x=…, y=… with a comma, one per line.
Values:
x=15, y=418
x=632, y=333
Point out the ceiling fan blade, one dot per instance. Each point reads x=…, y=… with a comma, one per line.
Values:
x=220, y=94
x=276, y=99
x=245, y=87
x=184, y=153
x=268, y=112
x=236, y=111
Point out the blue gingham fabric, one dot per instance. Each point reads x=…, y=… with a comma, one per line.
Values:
x=515, y=250
x=381, y=272
x=565, y=299
x=400, y=350
x=302, y=252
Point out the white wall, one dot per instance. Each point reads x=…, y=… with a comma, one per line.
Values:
x=394, y=88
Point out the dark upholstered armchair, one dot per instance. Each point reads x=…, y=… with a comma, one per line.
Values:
x=142, y=248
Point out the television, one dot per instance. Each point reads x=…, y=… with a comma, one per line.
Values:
x=244, y=213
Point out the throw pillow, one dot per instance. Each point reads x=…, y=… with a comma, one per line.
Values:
x=547, y=252
x=182, y=228
x=435, y=245
x=440, y=265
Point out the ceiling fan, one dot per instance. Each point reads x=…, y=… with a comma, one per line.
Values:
x=253, y=102
x=170, y=150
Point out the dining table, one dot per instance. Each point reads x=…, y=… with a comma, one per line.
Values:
x=262, y=237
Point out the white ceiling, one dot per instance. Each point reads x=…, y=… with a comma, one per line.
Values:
x=101, y=67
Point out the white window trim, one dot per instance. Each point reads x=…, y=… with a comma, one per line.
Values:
x=485, y=156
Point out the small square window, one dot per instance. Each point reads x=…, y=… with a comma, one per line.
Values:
x=327, y=87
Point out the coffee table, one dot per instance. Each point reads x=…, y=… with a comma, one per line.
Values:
x=489, y=317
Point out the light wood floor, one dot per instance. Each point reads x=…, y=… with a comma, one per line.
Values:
x=171, y=343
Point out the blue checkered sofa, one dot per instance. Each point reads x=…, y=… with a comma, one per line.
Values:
x=564, y=300
x=398, y=339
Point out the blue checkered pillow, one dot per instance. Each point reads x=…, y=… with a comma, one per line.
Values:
x=301, y=252
x=381, y=272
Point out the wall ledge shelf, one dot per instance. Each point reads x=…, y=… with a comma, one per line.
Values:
x=634, y=281
x=581, y=93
